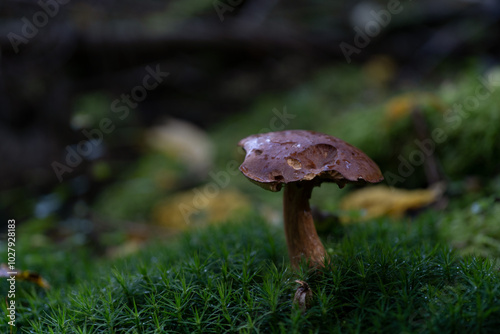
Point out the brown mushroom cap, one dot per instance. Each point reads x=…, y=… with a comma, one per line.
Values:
x=275, y=158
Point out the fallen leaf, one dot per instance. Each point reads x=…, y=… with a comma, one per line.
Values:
x=377, y=201
x=196, y=207
x=24, y=275
x=402, y=105
x=183, y=141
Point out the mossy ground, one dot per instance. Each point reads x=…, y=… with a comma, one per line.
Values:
x=384, y=276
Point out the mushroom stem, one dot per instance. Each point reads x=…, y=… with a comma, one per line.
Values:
x=301, y=236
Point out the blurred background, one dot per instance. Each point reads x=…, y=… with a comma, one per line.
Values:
x=119, y=121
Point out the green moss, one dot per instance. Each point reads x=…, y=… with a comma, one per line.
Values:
x=474, y=229
x=384, y=277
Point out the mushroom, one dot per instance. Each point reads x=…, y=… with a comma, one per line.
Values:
x=301, y=160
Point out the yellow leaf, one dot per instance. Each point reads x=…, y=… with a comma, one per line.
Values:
x=24, y=275
x=377, y=201
x=402, y=105
x=200, y=206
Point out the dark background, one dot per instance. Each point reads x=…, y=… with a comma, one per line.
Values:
x=218, y=64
